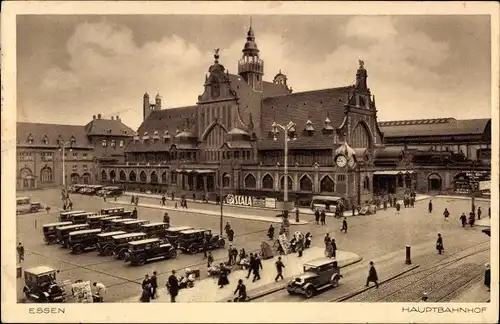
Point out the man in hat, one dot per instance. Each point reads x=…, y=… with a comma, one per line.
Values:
x=463, y=219
x=372, y=276
x=344, y=225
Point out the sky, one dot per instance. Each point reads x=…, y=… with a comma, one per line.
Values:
x=71, y=67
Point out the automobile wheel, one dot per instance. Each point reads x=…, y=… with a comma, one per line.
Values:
x=222, y=243
x=141, y=261
x=309, y=292
x=120, y=255
x=192, y=249
x=290, y=292
x=107, y=251
x=77, y=249
x=172, y=253
x=334, y=282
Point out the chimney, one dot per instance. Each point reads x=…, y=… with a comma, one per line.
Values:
x=98, y=116
x=112, y=117
x=93, y=117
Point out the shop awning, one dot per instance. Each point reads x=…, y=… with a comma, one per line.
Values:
x=204, y=171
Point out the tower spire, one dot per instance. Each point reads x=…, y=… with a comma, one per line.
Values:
x=251, y=67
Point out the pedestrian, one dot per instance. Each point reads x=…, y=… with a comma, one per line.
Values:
x=353, y=210
x=279, y=269
x=412, y=201
x=385, y=207
x=64, y=206
x=327, y=239
x=299, y=247
x=446, y=214
x=163, y=199
x=241, y=289
x=230, y=235
x=489, y=212
x=334, y=248
x=257, y=268
x=175, y=206
x=463, y=219
x=185, y=204
x=479, y=212
x=487, y=276
x=134, y=213
x=223, y=279
x=439, y=244
x=398, y=206
x=104, y=197
x=230, y=255
x=372, y=276
x=390, y=200
x=205, y=246
x=323, y=217
x=166, y=219
x=47, y=209
x=100, y=290
x=20, y=252
x=227, y=228
x=210, y=259
x=154, y=285
x=136, y=200
x=472, y=219
x=430, y=206
x=250, y=268
x=173, y=286
x=270, y=232
x=132, y=200
x=344, y=225
x=146, y=282
x=317, y=216
x=70, y=205
x=194, y=196
x=146, y=295
x=425, y=297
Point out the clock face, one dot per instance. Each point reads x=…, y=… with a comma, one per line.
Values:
x=341, y=161
x=351, y=162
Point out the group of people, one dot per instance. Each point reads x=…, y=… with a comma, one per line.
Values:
x=330, y=246
x=134, y=200
x=320, y=217
x=229, y=232
x=471, y=220
x=149, y=287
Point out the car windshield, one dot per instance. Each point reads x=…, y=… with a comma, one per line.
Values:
x=308, y=268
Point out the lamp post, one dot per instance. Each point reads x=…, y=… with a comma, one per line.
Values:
x=221, y=200
x=290, y=134
x=472, y=188
x=63, y=146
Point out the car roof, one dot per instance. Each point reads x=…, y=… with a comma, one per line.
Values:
x=129, y=235
x=23, y=198
x=122, y=220
x=57, y=224
x=40, y=270
x=72, y=226
x=319, y=262
x=111, y=233
x=87, y=213
x=146, y=241
x=94, y=230
x=73, y=212
x=153, y=224
x=135, y=221
x=194, y=230
x=112, y=217
x=112, y=208
x=179, y=228
x=96, y=216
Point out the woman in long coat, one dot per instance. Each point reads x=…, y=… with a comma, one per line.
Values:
x=372, y=275
x=223, y=280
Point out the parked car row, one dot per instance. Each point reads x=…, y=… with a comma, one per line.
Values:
x=132, y=240
x=99, y=190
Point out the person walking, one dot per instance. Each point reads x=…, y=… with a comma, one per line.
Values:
x=323, y=217
x=20, y=252
x=223, y=279
x=300, y=247
x=132, y=200
x=472, y=219
x=250, y=268
x=230, y=235
x=206, y=244
x=344, y=225
x=227, y=227
x=479, y=212
x=146, y=295
x=173, y=286
x=430, y=206
x=47, y=209
x=172, y=195
x=334, y=248
x=487, y=277
x=146, y=282
x=372, y=275
x=257, y=268
x=104, y=197
x=463, y=219
x=446, y=214
x=279, y=269
x=210, y=259
x=439, y=244
x=163, y=199
x=317, y=216
x=194, y=196
x=154, y=285
x=270, y=232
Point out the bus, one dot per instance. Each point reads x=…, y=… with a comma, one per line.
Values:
x=25, y=205
x=326, y=203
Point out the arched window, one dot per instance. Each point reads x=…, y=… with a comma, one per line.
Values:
x=361, y=136
x=75, y=178
x=143, y=177
x=46, y=175
x=104, y=175
x=132, y=176
x=306, y=183
x=282, y=183
x=226, y=180
x=327, y=184
x=164, y=177
x=173, y=177
x=123, y=176
x=154, y=177
x=86, y=178
x=267, y=182
x=112, y=175
x=366, y=183
x=250, y=181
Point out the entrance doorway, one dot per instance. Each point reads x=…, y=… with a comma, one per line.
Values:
x=434, y=182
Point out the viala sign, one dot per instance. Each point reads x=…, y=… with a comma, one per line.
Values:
x=239, y=200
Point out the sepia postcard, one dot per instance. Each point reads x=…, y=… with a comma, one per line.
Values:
x=250, y=162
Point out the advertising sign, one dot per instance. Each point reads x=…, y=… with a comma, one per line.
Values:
x=285, y=245
x=82, y=293
x=239, y=200
x=485, y=185
x=270, y=202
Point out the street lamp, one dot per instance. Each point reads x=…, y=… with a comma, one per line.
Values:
x=221, y=200
x=472, y=180
x=62, y=148
x=290, y=134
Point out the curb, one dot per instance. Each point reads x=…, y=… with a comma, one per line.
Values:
x=280, y=287
x=353, y=294
x=276, y=221
x=462, y=198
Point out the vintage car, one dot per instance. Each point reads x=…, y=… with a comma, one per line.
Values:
x=106, y=222
x=112, y=211
x=158, y=230
x=191, y=241
x=78, y=218
x=133, y=225
x=25, y=205
x=40, y=285
x=64, y=216
x=120, y=243
x=140, y=252
x=63, y=232
x=129, y=214
x=49, y=231
x=318, y=275
x=173, y=233
x=95, y=221
x=105, y=242
x=116, y=224
x=85, y=240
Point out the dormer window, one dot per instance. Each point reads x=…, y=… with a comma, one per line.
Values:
x=45, y=140
x=104, y=143
x=60, y=140
x=29, y=140
x=156, y=135
x=177, y=131
x=136, y=138
x=328, y=129
x=145, y=136
x=72, y=140
x=309, y=126
x=113, y=143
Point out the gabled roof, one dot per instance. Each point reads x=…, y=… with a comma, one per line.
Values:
x=300, y=107
x=108, y=127
x=52, y=132
x=435, y=127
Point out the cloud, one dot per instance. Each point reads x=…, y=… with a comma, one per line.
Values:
x=108, y=70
